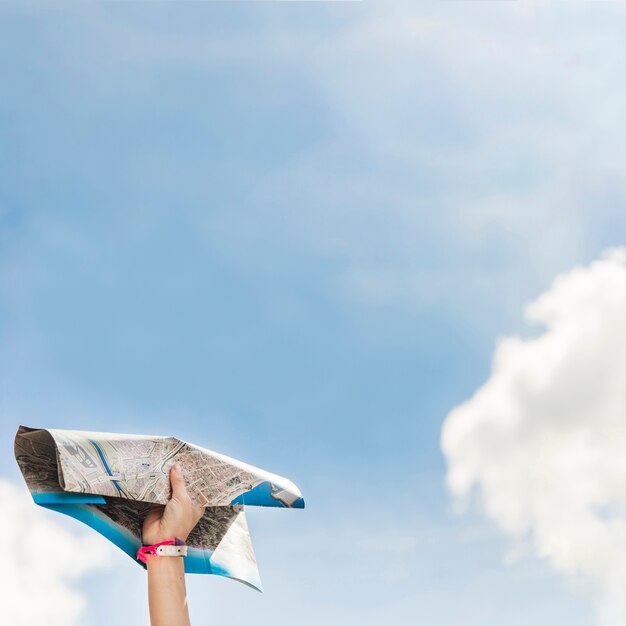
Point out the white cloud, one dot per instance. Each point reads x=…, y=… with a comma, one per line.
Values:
x=543, y=441
x=42, y=563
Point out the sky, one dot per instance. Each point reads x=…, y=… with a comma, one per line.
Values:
x=361, y=245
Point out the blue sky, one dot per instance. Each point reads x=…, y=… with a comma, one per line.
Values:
x=293, y=232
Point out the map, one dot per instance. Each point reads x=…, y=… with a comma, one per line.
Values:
x=109, y=481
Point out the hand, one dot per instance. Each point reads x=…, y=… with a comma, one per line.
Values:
x=177, y=518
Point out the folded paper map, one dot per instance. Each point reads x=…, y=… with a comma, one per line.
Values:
x=109, y=481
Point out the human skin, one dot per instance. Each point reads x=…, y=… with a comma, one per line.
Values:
x=167, y=595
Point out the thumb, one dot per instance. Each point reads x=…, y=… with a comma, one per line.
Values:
x=179, y=491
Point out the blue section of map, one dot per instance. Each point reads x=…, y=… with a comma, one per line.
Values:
x=79, y=506
x=66, y=497
x=95, y=519
x=261, y=495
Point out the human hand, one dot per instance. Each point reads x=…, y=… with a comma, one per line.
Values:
x=177, y=518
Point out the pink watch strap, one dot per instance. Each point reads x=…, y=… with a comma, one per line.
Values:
x=169, y=547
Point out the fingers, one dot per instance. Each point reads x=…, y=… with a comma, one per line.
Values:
x=179, y=491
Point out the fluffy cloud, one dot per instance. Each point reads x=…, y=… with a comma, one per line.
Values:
x=41, y=563
x=543, y=441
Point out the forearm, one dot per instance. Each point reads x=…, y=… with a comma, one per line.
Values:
x=167, y=595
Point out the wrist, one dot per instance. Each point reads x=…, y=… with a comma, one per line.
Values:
x=170, y=568
x=173, y=547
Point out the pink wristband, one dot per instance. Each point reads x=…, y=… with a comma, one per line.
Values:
x=178, y=548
